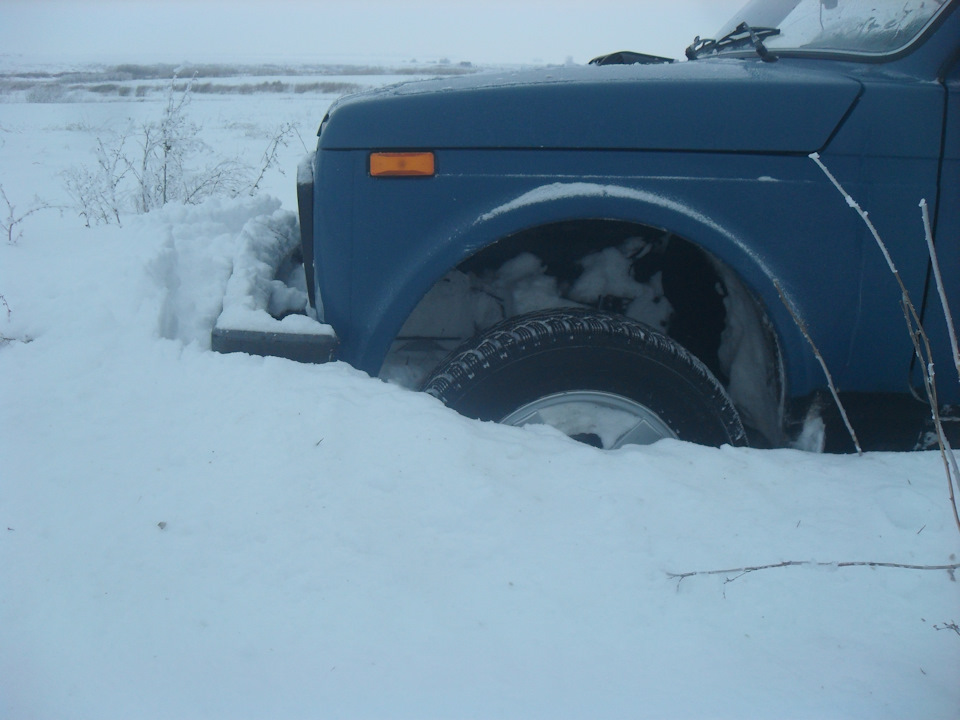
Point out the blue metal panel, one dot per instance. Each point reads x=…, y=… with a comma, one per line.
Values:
x=727, y=105
x=714, y=151
x=741, y=209
x=946, y=219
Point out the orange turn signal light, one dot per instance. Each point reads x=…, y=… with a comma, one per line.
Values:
x=402, y=164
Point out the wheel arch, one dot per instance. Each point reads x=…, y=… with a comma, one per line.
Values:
x=556, y=204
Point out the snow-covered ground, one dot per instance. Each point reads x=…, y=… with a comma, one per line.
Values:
x=185, y=534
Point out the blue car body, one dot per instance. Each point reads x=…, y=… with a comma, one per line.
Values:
x=714, y=151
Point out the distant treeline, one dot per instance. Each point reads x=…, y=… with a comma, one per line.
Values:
x=124, y=80
x=165, y=71
x=53, y=91
x=332, y=88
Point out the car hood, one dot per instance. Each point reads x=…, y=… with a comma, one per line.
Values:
x=708, y=105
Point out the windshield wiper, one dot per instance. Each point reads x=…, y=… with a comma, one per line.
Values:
x=742, y=34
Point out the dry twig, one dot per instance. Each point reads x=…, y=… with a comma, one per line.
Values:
x=935, y=263
x=10, y=223
x=741, y=571
x=921, y=343
x=823, y=363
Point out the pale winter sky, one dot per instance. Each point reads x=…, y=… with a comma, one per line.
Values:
x=549, y=31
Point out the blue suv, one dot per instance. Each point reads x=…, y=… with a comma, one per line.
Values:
x=640, y=248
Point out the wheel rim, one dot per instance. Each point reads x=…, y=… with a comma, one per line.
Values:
x=596, y=418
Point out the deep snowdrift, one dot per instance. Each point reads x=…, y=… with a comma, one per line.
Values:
x=192, y=535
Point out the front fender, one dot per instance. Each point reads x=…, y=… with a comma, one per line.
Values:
x=555, y=202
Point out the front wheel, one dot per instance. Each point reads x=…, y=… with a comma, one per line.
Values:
x=602, y=379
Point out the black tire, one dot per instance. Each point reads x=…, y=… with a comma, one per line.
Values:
x=569, y=353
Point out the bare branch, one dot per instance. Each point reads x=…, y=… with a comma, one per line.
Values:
x=160, y=171
x=951, y=328
x=948, y=626
x=921, y=343
x=823, y=363
x=741, y=571
x=269, y=159
x=860, y=211
x=921, y=346
x=300, y=137
x=9, y=225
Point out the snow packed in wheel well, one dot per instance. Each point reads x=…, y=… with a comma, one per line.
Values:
x=646, y=273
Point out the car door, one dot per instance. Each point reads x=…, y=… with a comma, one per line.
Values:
x=946, y=224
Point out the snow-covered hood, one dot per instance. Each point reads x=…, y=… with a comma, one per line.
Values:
x=717, y=104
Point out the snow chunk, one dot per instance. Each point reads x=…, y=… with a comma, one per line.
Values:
x=524, y=286
x=555, y=191
x=605, y=273
x=745, y=357
x=561, y=191
x=813, y=436
x=305, y=168
x=228, y=262
x=256, y=298
x=194, y=263
x=608, y=273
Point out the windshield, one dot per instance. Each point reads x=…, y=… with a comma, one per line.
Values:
x=866, y=27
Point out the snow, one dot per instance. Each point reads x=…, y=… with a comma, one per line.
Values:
x=185, y=534
x=745, y=358
x=608, y=273
x=565, y=190
x=859, y=26
x=305, y=168
x=254, y=297
x=461, y=305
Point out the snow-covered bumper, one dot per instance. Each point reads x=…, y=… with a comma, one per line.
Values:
x=265, y=307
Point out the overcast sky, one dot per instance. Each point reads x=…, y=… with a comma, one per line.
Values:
x=550, y=31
